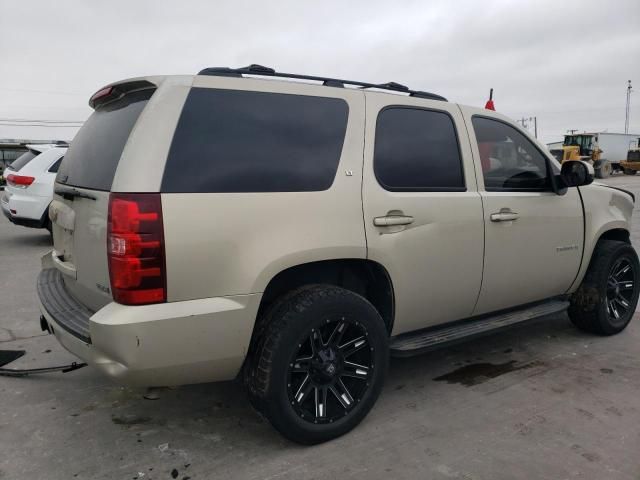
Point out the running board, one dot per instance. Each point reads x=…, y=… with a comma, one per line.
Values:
x=414, y=343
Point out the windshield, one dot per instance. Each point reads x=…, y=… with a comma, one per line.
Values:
x=582, y=141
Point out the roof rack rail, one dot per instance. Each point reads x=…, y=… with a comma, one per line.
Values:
x=260, y=70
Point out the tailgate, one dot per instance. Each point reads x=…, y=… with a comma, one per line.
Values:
x=80, y=208
x=80, y=245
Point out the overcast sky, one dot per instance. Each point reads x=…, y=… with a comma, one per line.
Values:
x=566, y=62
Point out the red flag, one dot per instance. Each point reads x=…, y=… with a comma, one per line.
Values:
x=489, y=105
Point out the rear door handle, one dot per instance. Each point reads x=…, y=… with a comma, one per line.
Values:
x=504, y=215
x=392, y=220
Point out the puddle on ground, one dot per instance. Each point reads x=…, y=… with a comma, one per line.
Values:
x=477, y=373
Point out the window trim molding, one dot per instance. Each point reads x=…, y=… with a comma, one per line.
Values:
x=550, y=187
x=389, y=188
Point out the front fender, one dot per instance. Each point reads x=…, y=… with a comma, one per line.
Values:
x=605, y=209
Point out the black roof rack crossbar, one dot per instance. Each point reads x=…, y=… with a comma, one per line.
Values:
x=332, y=82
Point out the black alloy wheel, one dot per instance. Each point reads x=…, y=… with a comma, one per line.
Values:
x=330, y=370
x=319, y=363
x=620, y=288
x=606, y=300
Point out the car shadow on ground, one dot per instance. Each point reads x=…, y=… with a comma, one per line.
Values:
x=208, y=429
x=221, y=412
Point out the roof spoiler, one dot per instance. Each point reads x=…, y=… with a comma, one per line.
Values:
x=116, y=91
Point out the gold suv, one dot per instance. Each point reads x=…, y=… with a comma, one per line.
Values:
x=297, y=233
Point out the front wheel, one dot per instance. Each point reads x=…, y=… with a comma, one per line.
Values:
x=606, y=300
x=320, y=364
x=629, y=171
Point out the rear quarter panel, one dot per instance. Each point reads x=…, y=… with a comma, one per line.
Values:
x=142, y=162
x=220, y=244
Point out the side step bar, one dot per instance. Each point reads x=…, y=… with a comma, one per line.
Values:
x=414, y=343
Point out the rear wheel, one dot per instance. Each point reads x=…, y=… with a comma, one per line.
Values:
x=606, y=300
x=320, y=363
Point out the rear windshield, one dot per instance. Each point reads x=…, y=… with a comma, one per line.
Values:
x=93, y=156
x=10, y=155
x=22, y=160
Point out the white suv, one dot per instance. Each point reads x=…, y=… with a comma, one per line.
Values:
x=298, y=233
x=29, y=188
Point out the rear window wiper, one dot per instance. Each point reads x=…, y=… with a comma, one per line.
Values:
x=69, y=193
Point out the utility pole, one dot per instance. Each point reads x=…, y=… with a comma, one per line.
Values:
x=525, y=124
x=626, y=117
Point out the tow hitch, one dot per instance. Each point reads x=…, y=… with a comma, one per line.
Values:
x=8, y=356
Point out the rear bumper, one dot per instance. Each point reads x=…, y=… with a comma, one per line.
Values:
x=20, y=220
x=165, y=344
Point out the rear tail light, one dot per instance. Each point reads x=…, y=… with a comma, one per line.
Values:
x=19, y=181
x=135, y=247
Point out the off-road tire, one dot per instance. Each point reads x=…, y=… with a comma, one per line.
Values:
x=588, y=309
x=285, y=327
x=629, y=171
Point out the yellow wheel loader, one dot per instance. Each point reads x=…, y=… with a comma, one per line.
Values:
x=632, y=164
x=583, y=147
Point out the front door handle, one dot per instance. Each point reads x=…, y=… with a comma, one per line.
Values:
x=504, y=215
x=393, y=220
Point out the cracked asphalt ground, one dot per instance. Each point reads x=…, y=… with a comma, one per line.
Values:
x=543, y=401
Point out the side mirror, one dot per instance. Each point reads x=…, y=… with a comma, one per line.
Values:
x=575, y=173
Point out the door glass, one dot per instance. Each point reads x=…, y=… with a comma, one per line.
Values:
x=417, y=150
x=509, y=160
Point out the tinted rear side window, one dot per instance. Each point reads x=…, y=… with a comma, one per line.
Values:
x=56, y=166
x=23, y=159
x=93, y=156
x=240, y=141
x=417, y=149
